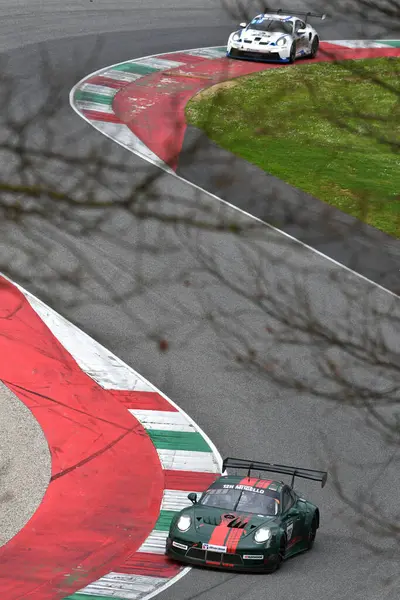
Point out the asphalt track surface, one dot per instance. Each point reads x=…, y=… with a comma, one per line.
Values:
x=130, y=285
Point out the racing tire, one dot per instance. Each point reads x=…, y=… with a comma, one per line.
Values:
x=314, y=47
x=292, y=55
x=312, y=533
x=281, y=556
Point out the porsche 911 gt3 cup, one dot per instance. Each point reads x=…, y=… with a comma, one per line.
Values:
x=275, y=37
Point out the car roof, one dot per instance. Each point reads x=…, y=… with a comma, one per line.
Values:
x=274, y=17
x=251, y=481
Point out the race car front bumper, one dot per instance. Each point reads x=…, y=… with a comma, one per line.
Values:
x=256, y=56
x=269, y=53
x=245, y=560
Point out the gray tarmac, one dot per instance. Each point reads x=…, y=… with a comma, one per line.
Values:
x=131, y=283
x=25, y=465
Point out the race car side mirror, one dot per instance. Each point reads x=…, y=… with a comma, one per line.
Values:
x=192, y=497
x=301, y=30
x=242, y=25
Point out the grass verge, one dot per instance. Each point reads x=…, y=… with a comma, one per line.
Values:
x=332, y=130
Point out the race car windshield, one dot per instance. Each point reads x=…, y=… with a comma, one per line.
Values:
x=272, y=26
x=241, y=500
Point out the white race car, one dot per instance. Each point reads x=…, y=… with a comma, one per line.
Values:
x=275, y=37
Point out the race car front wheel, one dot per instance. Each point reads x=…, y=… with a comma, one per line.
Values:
x=314, y=47
x=280, y=557
x=292, y=55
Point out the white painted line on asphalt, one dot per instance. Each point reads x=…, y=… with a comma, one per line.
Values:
x=185, y=460
x=101, y=90
x=95, y=106
x=162, y=420
x=155, y=542
x=206, y=52
x=210, y=194
x=121, y=586
x=158, y=63
x=177, y=500
x=128, y=140
x=121, y=76
x=93, y=359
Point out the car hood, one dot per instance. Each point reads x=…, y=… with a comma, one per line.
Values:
x=206, y=520
x=252, y=34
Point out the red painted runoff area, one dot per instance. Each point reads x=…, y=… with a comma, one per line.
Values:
x=106, y=487
x=153, y=107
x=150, y=565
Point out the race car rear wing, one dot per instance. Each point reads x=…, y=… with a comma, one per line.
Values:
x=240, y=463
x=290, y=11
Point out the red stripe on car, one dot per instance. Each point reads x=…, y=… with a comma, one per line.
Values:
x=235, y=535
x=249, y=481
x=263, y=484
x=219, y=534
x=233, y=540
x=294, y=540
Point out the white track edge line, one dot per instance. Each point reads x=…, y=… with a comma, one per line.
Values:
x=197, y=187
x=168, y=584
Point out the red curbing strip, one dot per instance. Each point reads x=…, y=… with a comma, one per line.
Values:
x=93, y=115
x=155, y=110
x=183, y=57
x=154, y=106
x=188, y=480
x=334, y=52
x=144, y=401
x=249, y=481
x=107, y=81
x=71, y=541
x=150, y=565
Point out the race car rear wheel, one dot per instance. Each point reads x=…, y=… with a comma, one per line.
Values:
x=292, y=55
x=312, y=533
x=314, y=47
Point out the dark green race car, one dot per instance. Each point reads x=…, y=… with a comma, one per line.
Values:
x=246, y=524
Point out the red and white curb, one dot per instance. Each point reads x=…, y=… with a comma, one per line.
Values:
x=136, y=122
x=92, y=97
x=188, y=459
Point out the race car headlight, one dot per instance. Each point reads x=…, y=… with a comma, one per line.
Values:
x=262, y=535
x=184, y=523
x=281, y=42
x=236, y=38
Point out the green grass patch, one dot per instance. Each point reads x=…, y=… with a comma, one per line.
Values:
x=332, y=130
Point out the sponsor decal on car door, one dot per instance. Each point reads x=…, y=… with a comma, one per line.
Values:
x=292, y=520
